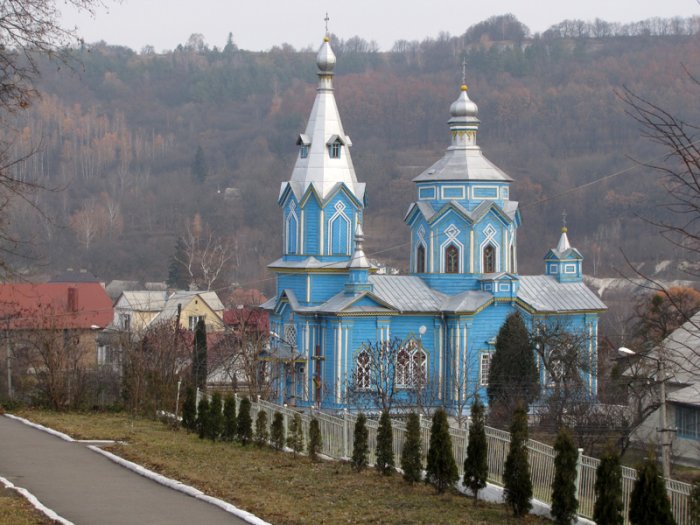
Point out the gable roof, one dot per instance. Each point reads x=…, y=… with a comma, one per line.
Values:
x=184, y=298
x=55, y=306
x=143, y=300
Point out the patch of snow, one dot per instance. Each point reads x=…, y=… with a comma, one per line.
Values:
x=181, y=487
x=38, y=505
x=660, y=267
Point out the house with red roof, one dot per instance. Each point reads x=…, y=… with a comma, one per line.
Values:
x=51, y=330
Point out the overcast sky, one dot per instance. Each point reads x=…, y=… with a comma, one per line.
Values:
x=260, y=25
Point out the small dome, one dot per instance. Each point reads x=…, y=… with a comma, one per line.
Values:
x=325, y=60
x=463, y=107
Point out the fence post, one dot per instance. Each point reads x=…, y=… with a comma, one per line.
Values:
x=345, y=433
x=578, y=473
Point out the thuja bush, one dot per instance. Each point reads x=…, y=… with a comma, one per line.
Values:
x=261, y=433
x=411, y=457
x=277, y=431
x=315, y=439
x=360, y=448
x=385, y=441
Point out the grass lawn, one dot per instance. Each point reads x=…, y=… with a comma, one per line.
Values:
x=15, y=510
x=274, y=485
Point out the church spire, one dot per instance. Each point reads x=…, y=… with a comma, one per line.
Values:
x=324, y=160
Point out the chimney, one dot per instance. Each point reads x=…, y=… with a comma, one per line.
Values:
x=72, y=299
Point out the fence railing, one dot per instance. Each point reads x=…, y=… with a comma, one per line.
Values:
x=337, y=435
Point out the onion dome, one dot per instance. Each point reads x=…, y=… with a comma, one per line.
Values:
x=463, y=106
x=325, y=59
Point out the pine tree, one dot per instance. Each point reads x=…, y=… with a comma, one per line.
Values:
x=295, y=439
x=564, y=501
x=261, y=433
x=385, y=445
x=200, y=170
x=189, y=410
x=216, y=417
x=360, y=448
x=649, y=503
x=177, y=276
x=315, y=439
x=244, y=423
x=516, y=474
x=199, y=355
x=476, y=465
x=441, y=469
x=411, y=460
x=229, y=431
x=277, y=431
x=202, y=422
x=513, y=373
x=608, y=491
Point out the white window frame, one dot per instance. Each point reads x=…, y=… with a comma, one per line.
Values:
x=484, y=359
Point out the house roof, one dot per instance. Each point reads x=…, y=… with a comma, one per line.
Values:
x=54, y=306
x=183, y=298
x=145, y=301
x=682, y=349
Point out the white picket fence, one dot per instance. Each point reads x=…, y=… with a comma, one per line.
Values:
x=337, y=436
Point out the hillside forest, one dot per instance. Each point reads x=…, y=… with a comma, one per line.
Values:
x=138, y=151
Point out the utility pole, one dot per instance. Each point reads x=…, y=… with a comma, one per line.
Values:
x=10, y=393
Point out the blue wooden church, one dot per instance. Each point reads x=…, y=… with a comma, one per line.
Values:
x=332, y=310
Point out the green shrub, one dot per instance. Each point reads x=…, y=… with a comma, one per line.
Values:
x=476, y=466
x=441, y=469
x=360, y=448
x=411, y=458
x=385, y=445
x=315, y=439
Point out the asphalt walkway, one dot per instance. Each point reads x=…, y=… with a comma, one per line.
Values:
x=86, y=488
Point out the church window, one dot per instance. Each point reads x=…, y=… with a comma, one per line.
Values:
x=489, y=263
x=304, y=151
x=363, y=374
x=334, y=149
x=484, y=368
x=290, y=334
x=420, y=259
x=292, y=229
x=451, y=259
x=411, y=366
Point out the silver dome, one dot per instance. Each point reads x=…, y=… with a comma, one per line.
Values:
x=325, y=60
x=463, y=107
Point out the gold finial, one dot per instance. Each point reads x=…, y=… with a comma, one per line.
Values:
x=463, y=87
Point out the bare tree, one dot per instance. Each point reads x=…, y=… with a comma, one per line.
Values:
x=207, y=257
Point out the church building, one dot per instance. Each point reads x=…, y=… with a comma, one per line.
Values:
x=334, y=319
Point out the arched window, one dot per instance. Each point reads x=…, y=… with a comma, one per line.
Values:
x=292, y=229
x=451, y=259
x=489, y=263
x=340, y=234
x=363, y=376
x=420, y=259
x=411, y=366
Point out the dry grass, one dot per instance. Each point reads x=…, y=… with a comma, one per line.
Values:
x=15, y=510
x=274, y=485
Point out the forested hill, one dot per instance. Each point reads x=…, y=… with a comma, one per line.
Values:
x=117, y=136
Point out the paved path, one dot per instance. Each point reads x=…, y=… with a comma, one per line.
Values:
x=88, y=489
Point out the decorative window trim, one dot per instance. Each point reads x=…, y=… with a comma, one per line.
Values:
x=304, y=151
x=427, y=193
x=339, y=215
x=334, y=149
x=193, y=320
x=485, y=196
x=445, y=189
x=570, y=268
x=554, y=268
x=492, y=255
x=420, y=268
x=292, y=216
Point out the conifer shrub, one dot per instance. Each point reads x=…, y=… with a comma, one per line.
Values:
x=261, y=433
x=360, y=447
x=244, y=423
x=695, y=503
x=216, y=417
x=441, y=469
x=608, y=506
x=315, y=439
x=202, y=422
x=564, y=500
x=229, y=430
x=516, y=473
x=277, y=431
x=295, y=439
x=385, y=450
x=411, y=457
x=476, y=466
x=649, y=503
x=189, y=410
